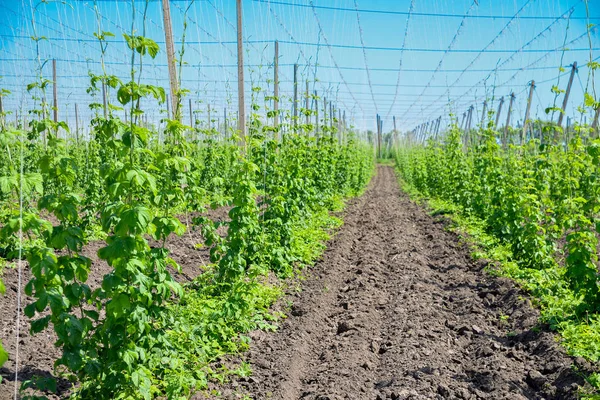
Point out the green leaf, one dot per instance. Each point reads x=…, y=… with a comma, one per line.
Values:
x=118, y=306
x=124, y=94
x=40, y=324
x=3, y=355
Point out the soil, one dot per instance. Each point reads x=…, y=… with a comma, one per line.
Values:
x=37, y=353
x=398, y=309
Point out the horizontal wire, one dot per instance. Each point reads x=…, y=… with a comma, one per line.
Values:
x=418, y=14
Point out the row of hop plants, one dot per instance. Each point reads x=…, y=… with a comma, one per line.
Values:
x=141, y=334
x=539, y=199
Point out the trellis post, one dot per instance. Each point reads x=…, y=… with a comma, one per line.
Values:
x=240, y=70
x=499, y=111
x=565, y=101
x=510, y=105
x=527, y=111
x=276, y=87
x=173, y=83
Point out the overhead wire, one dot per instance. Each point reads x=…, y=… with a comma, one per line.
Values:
x=449, y=48
x=410, y=11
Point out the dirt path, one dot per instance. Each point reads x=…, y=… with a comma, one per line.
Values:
x=397, y=309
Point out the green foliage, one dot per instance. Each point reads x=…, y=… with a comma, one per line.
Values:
x=532, y=207
x=140, y=334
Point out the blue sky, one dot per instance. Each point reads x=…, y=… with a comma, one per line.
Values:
x=324, y=38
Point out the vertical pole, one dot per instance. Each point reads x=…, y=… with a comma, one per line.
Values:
x=595, y=123
x=191, y=114
x=339, y=124
x=468, y=126
x=331, y=115
x=470, y=119
x=499, y=111
x=295, y=105
x=345, y=126
x=54, y=91
x=527, y=111
x=395, y=132
x=483, y=114
x=380, y=134
x=566, y=99
x=510, y=105
x=376, y=139
x=324, y=113
x=225, y=127
x=307, y=104
x=276, y=86
x=76, y=124
x=316, y=114
x=240, y=56
x=171, y=60
x=462, y=121
x=104, y=102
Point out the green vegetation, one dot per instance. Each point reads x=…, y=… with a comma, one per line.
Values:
x=532, y=207
x=141, y=334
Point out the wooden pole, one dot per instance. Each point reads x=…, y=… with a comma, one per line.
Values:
x=208, y=116
x=380, y=134
x=470, y=118
x=240, y=56
x=225, y=127
x=54, y=91
x=324, y=113
x=595, y=123
x=468, y=126
x=462, y=122
x=104, y=102
x=171, y=60
x=276, y=86
x=339, y=124
x=307, y=104
x=527, y=111
x=565, y=102
x=510, y=105
x=295, y=105
x=566, y=99
x=345, y=126
x=316, y=114
x=483, y=114
x=499, y=111
x=191, y=113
